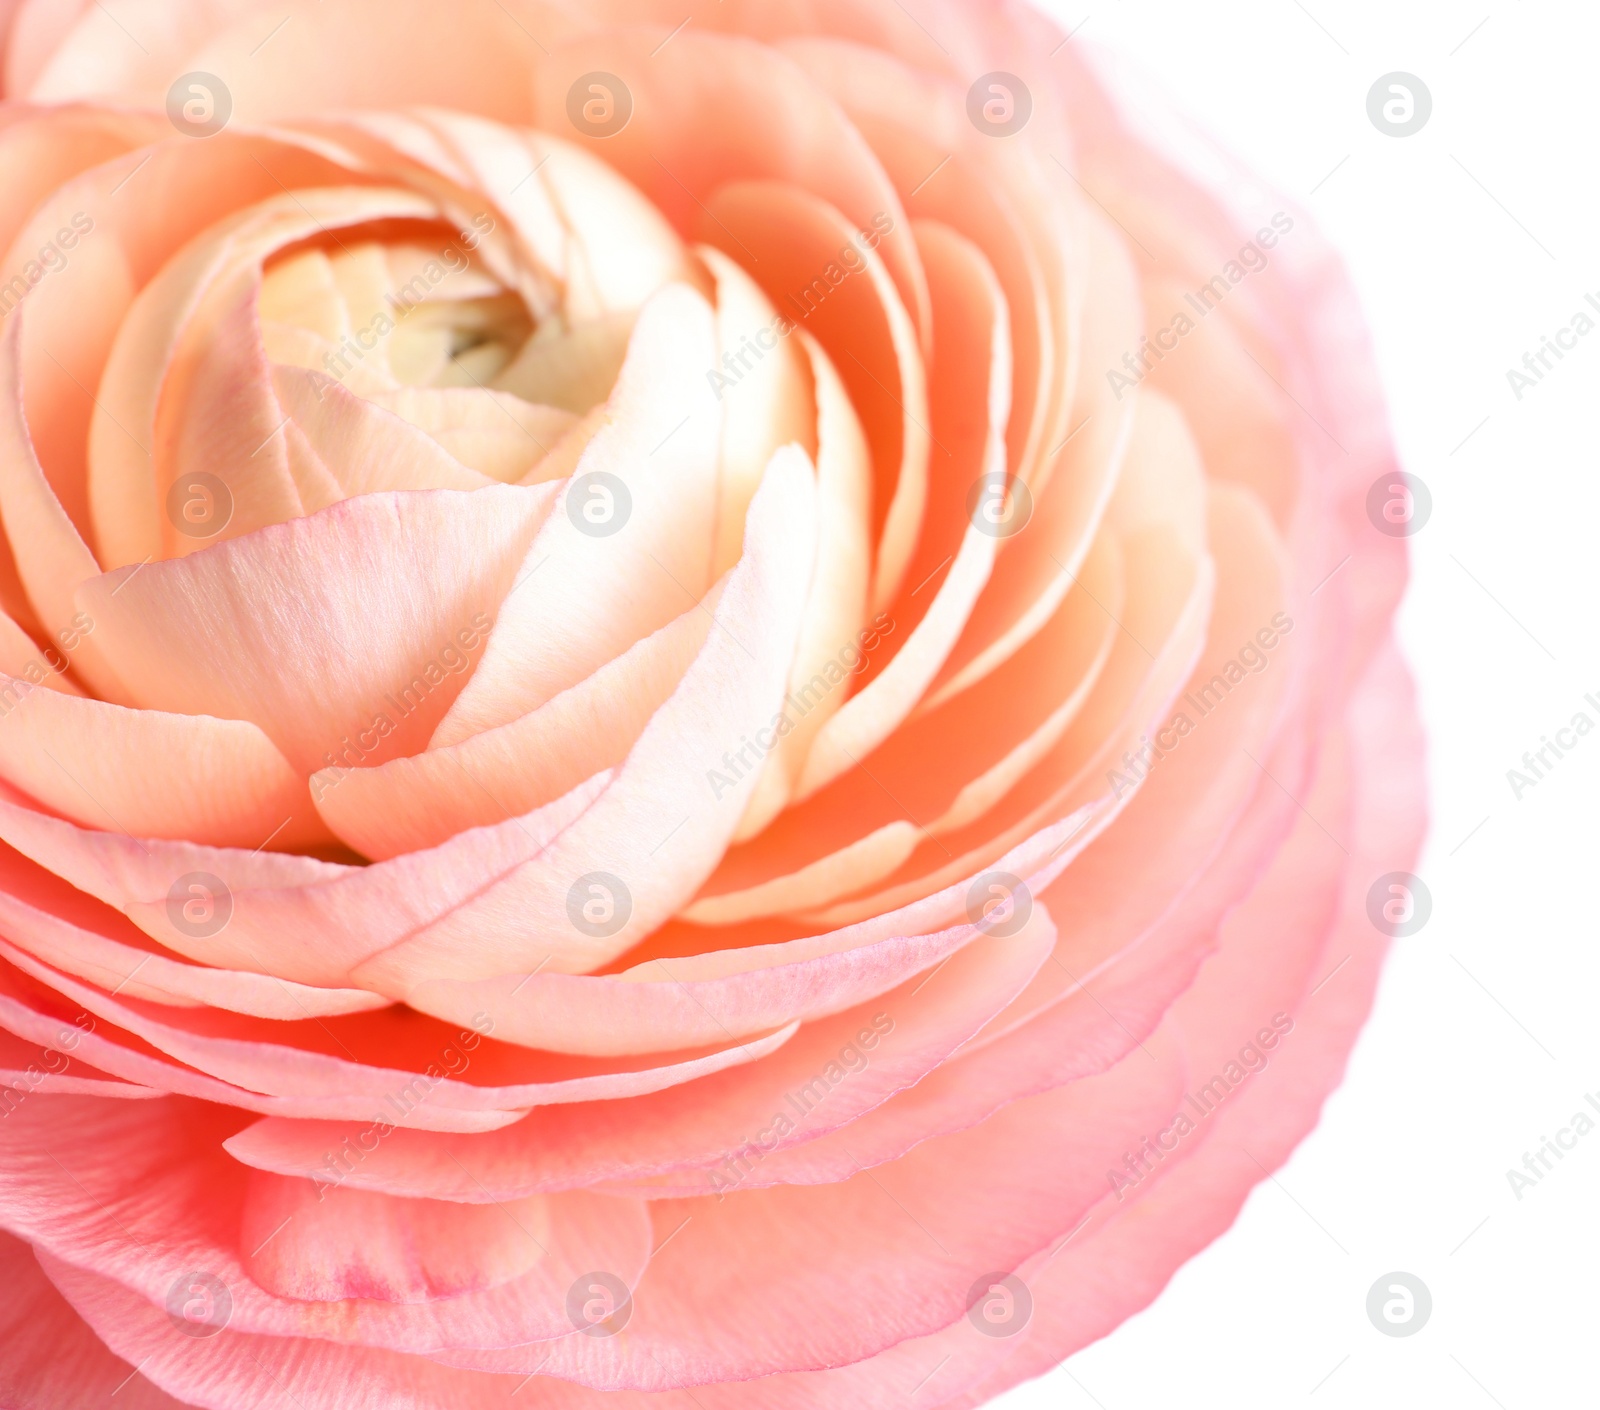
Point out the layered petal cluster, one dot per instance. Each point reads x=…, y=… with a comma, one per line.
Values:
x=694, y=712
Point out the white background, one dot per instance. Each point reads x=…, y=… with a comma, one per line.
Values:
x=1468, y=242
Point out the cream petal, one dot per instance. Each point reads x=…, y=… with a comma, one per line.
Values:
x=651, y=834
x=590, y=590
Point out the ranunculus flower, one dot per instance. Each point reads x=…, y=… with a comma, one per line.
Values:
x=697, y=707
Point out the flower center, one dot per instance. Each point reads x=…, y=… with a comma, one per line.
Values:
x=376, y=315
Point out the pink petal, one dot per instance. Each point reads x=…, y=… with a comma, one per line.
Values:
x=148, y=1214
x=48, y=1355
x=76, y=315
x=73, y=933
x=936, y=773
x=972, y=369
x=1041, y=1166
x=763, y=383
x=90, y=53
x=51, y=558
x=719, y=1133
x=999, y=195
x=1121, y=1265
x=725, y=110
x=192, y=777
x=390, y=593
x=507, y=772
x=826, y=276
x=265, y=1058
x=1036, y=568
x=25, y=1013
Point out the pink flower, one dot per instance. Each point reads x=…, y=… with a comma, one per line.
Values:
x=703, y=711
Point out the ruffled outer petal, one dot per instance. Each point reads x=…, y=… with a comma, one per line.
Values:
x=708, y=1136
x=1142, y=1238
x=48, y=1355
